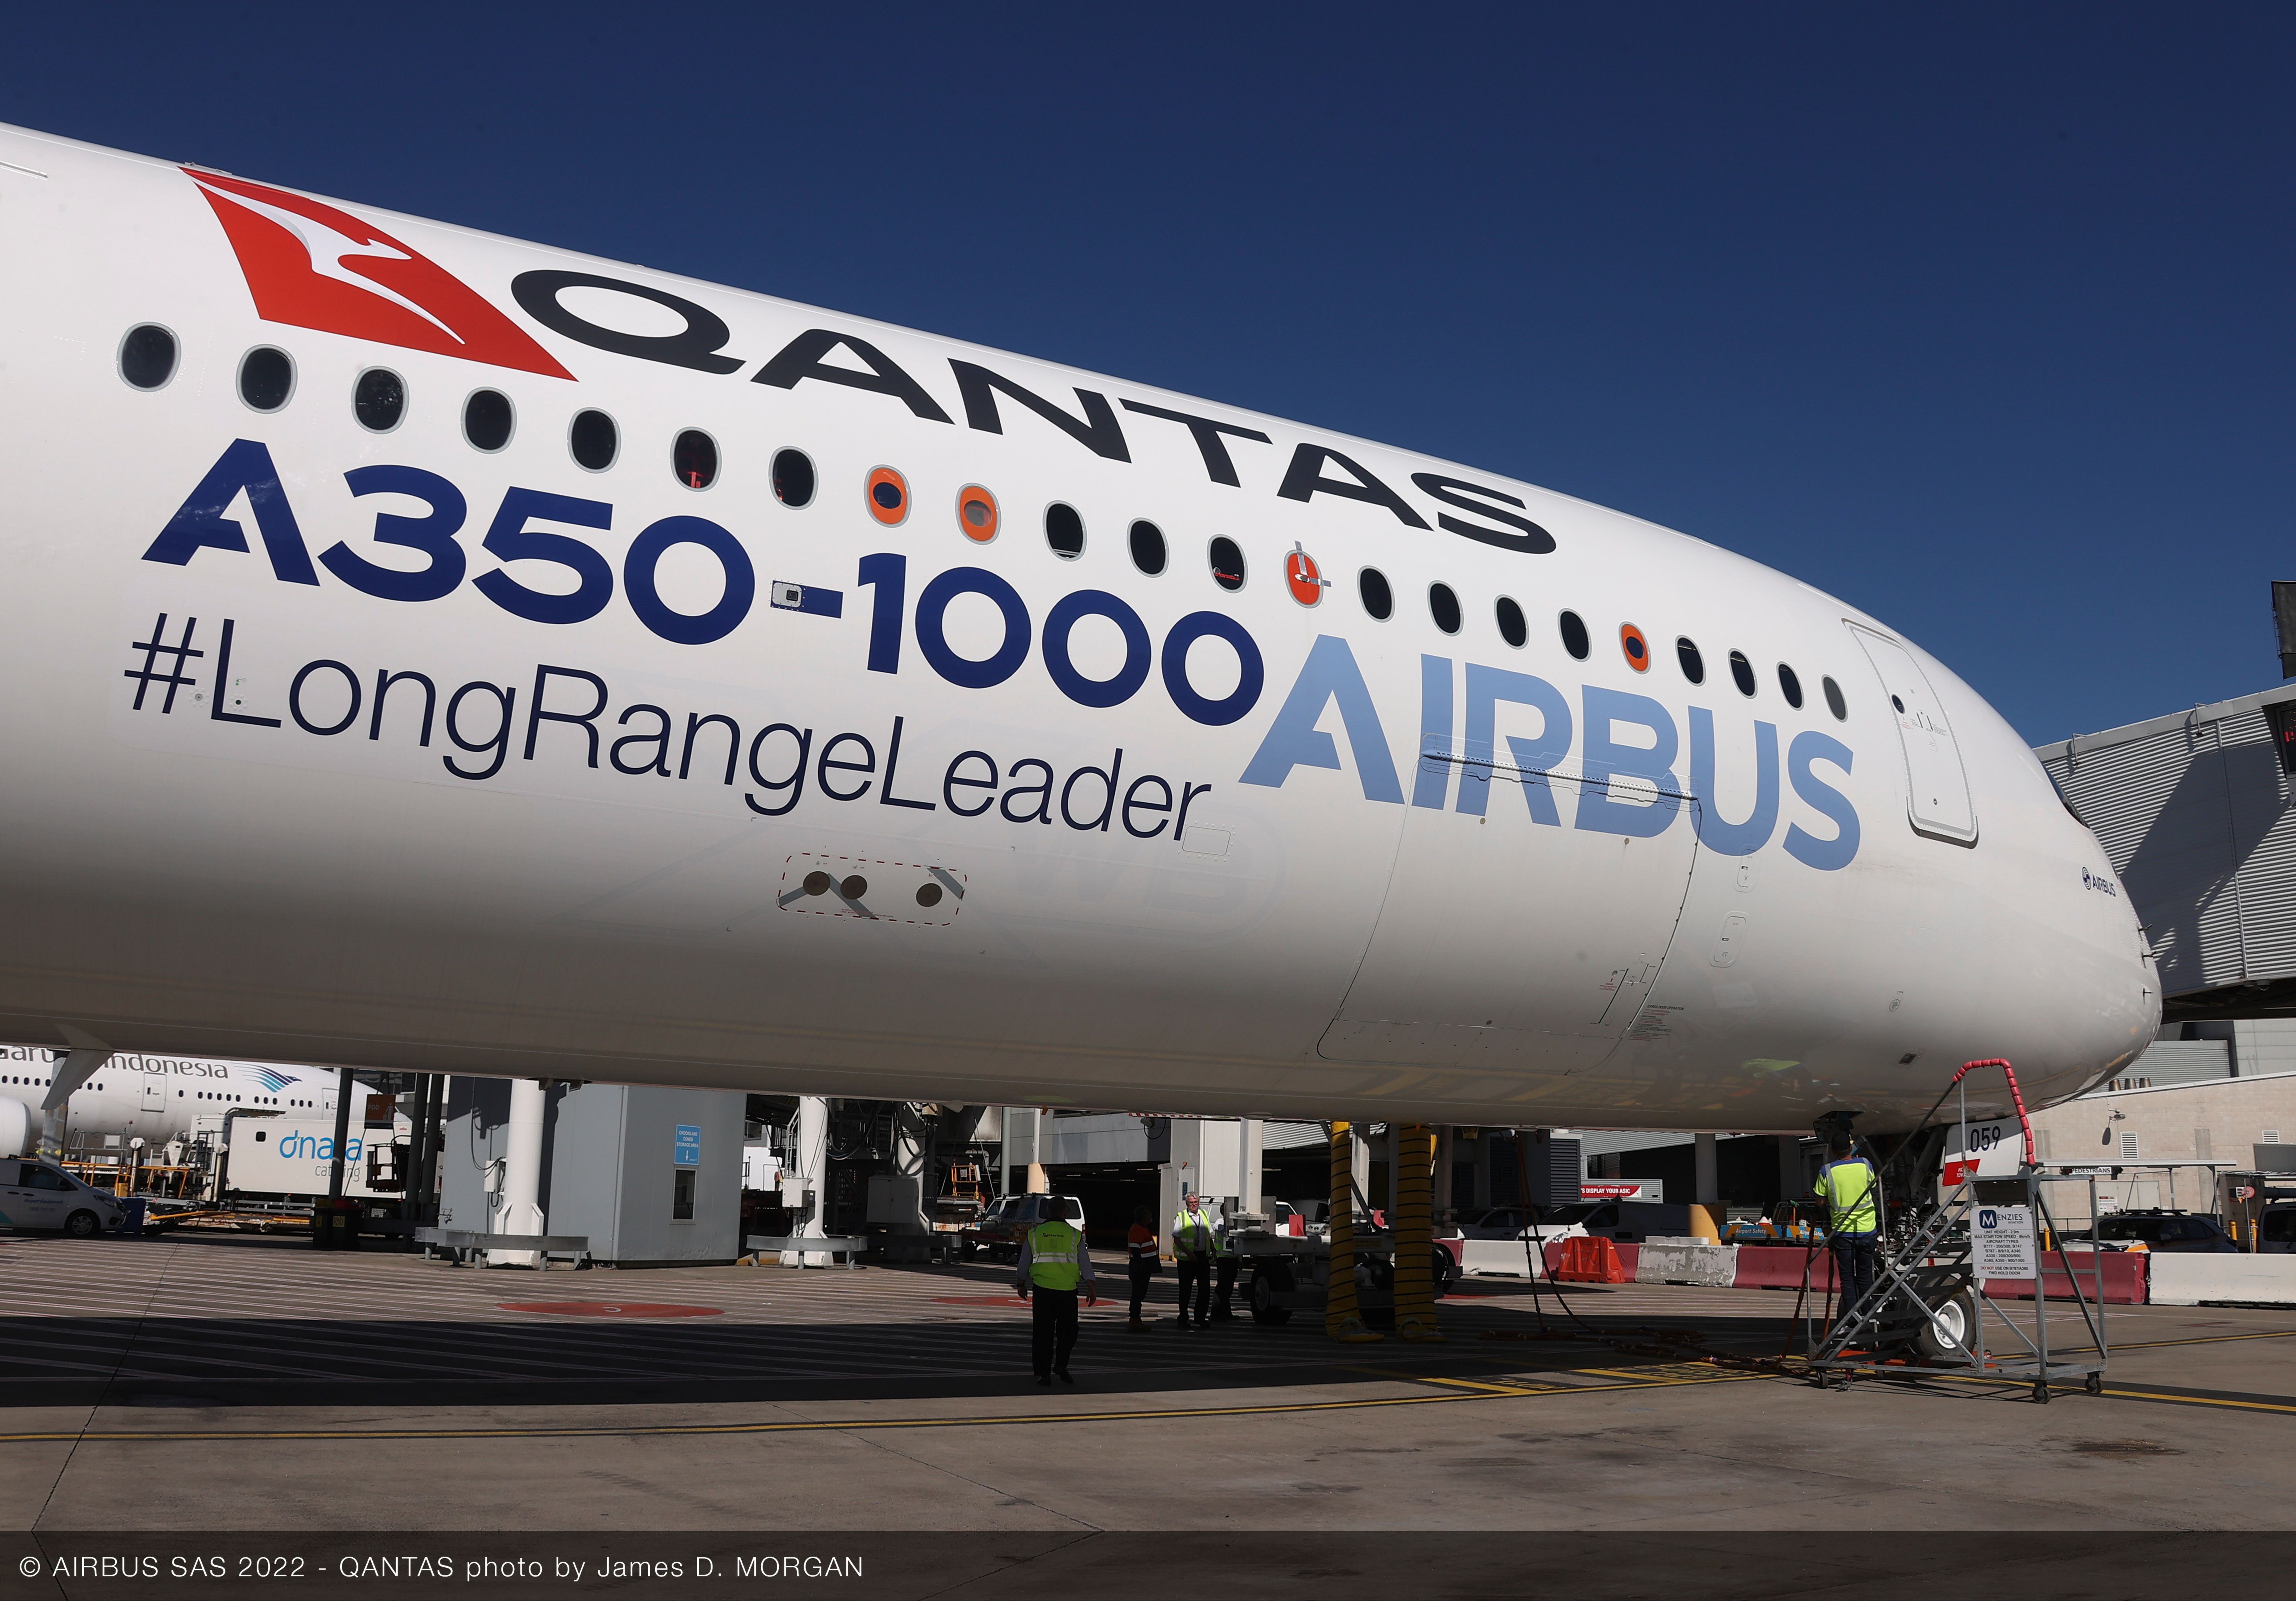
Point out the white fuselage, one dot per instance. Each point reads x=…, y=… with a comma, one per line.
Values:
x=522, y=767
x=154, y=1098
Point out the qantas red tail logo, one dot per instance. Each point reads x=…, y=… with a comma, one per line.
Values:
x=314, y=267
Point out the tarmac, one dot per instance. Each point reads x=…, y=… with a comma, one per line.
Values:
x=240, y=1382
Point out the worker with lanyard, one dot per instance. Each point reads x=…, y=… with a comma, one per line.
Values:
x=1193, y=1243
x=1140, y=1248
x=1848, y=1185
x=1054, y=1262
x=1224, y=1263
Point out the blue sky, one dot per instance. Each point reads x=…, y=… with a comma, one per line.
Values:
x=1979, y=320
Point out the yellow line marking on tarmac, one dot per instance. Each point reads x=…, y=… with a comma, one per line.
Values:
x=1675, y=1373
x=1428, y=1378
x=2108, y=1393
x=2276, y=1333
x=2200, y=1401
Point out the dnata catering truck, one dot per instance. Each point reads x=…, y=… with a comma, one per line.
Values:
x=285, y=1158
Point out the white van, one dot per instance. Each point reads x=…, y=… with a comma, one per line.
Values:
x=34, y=1195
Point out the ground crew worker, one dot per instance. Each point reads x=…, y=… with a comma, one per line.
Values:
x=1848, y=1185
x=1140, y=1245
x=1224, y=1263
x=1054, y=1262
x=1192, y=1243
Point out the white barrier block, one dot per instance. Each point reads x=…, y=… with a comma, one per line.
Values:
x=1672, y=1264
x=2188, y=1278
x=1508, y=1258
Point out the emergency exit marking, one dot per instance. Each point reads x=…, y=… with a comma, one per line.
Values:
x=685, y=1149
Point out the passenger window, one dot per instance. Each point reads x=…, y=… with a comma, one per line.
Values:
x=1512, y=629
x=1227, y=563
x=380, y=400
x=594, y=440
x=1741, y=672
x=1574, y=635
x=147, y=355
x=887, y=496
x=1064, y=531
x=793, y=478
x=1790, y=686
x=1378, y=599
x=1443, y=606
x=1693, y=665
x=1834, y=703
x=486, y=420
x=694, y=459
x=976, y=514
x=1637, y=648
x=1148, y=548
x=266, y=378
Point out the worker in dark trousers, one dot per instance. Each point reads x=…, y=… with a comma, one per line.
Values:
x=1224, y=1266
x=1192, y=1247
x=1140, y=1247
x=1848, y=1185
x=1055, y=1264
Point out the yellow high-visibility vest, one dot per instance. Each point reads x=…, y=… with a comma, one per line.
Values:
x=1847, y=1188
x=1053, y=1255
x=1191, y=1233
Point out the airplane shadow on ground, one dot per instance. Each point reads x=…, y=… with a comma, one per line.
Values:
x=919, y=1354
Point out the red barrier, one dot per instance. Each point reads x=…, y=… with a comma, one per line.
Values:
x=1587, y=1260
x=2126, y=1281
x=1779, y=1267
x=1621, y=1259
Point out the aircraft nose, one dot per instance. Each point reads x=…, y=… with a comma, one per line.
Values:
x=2100, y=1001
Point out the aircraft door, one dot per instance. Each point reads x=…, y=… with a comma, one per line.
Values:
x=19, y=1203
x=37, y=1199
x=155, y=1100
x=1508, y=939
x=1937, y=787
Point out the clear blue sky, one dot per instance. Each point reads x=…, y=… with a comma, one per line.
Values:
x=1980, y=321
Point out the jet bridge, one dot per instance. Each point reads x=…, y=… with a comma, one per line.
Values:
x=2192, y=810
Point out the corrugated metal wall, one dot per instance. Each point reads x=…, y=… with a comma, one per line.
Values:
x=2194, y=816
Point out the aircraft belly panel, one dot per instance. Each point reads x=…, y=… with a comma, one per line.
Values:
x=1503, y=939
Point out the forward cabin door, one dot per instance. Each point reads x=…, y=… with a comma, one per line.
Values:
x=1937, y=787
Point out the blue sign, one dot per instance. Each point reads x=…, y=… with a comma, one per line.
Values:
x=686, y=1151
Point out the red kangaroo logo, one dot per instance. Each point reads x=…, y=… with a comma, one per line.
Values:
x=313, y=266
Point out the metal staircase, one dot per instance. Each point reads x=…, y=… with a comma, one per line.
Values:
x=1920, y=1302
x=1927, y=1308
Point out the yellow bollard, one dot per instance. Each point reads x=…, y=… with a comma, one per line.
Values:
x=1415, y=1235
x=1342, y=1317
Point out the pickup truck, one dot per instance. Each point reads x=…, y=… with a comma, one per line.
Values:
x=2159, y=1230
x=997, y=1233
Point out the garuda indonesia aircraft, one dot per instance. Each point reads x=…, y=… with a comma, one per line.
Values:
x=132, y=1096
x=430, y=650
